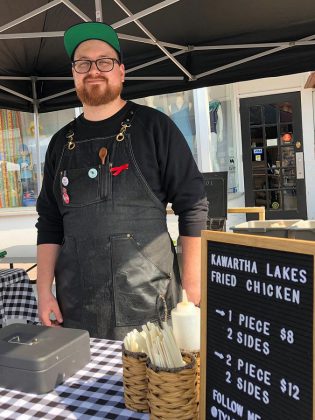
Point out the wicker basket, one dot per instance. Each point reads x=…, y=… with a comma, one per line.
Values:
x=172, y=393
x=135, y=380
x=197, y=357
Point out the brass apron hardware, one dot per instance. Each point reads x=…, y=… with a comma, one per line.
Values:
x=121, y=135
x=71, y=143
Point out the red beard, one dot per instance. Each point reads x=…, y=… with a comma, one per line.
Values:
x=95, y=95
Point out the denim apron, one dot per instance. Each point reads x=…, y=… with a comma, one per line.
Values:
x=117, y=259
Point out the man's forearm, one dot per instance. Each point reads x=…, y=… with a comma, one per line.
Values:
x=47, y=255
x=191, y=267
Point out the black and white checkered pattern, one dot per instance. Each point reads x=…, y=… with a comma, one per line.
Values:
x=17, y=299
x=95, y=392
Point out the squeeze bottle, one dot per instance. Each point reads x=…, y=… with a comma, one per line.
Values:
x=186, y=325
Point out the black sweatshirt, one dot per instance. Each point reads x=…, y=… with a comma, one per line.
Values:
x=163, y=157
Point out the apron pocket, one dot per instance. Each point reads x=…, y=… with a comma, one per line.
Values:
x=83, y=186
x=68, y=282
x=137, y=283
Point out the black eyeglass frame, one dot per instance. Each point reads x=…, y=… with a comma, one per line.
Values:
x=113, y=60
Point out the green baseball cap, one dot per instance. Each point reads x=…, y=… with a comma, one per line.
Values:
x=85, y=31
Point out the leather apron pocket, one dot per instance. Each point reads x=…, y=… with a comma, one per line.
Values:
x=68, y=284
x=137, y=283
x=83, y=186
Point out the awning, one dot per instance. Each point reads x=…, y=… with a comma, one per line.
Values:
x=168, y=46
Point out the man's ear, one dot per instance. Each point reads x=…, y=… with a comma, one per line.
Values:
x=122, y=71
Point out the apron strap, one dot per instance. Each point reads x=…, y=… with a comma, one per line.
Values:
x=126, y=124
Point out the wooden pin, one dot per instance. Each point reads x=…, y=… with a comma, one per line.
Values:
x=102, y=154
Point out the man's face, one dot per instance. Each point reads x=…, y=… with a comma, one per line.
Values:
x=95, y=87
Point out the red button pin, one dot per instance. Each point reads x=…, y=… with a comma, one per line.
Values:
x=65, y=196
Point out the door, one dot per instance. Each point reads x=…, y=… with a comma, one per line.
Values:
x=273, y=158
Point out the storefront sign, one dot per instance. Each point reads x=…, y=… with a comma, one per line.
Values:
x=257, y=328
x=258, y=154
x=272, y=142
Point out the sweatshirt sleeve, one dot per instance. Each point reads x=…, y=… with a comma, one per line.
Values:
x=49, y=224
x=183, y=183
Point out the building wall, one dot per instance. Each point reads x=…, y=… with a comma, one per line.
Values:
x=17, y=227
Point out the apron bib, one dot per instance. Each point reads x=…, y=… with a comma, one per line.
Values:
x=117, y=257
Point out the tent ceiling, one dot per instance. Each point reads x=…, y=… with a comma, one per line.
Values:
x=167, y=45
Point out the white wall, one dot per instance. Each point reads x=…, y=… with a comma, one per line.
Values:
x=272, y=85
x=309, y=156
x=17, y=227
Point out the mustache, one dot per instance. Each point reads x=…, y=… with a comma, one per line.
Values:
x=90, y=78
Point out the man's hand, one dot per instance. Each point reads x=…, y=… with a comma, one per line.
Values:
x=48, y=305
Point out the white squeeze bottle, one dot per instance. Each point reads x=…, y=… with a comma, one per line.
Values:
x=186, y=325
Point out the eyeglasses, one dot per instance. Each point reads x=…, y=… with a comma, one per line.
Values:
x=102, y=64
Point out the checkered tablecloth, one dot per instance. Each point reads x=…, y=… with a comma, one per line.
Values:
x=95, y=392
x=17, y=299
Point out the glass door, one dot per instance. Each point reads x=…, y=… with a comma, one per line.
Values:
x=273, y=155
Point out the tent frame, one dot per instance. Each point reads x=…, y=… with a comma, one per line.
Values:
x=273, y=47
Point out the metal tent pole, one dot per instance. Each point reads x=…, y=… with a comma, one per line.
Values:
x=36, y=133
x=98, y=11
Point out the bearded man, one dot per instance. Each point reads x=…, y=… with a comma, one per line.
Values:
x=108, y=177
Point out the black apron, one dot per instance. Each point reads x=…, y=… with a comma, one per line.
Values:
x=117, y=257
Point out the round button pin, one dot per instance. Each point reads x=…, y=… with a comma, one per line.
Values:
x=92, y=173
x=65, y=181
x=66, y=198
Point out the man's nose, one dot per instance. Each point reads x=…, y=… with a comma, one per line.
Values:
x=94, y=67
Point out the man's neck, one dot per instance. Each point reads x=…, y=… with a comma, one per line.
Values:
x=102, y=112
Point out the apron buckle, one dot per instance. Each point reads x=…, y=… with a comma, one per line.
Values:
x=121, y=135
x=71, y=143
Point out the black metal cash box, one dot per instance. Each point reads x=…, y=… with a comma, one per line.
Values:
x=36, y=359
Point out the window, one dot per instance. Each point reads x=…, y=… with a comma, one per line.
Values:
x=180, y=108
x=19, y=165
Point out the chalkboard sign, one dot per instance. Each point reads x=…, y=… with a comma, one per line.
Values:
x=216, y=190
x=257, y=328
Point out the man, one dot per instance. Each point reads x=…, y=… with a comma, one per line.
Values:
x=102, y=221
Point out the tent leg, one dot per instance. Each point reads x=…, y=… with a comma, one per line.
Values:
x=36, y=132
